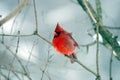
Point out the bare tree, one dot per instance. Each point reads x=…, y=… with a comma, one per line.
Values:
x=109, y=41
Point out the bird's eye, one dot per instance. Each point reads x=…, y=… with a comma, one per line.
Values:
x=57, y=34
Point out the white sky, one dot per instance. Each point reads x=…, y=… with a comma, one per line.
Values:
x=72, y=18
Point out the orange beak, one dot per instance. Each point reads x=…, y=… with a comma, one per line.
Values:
x=55, y=33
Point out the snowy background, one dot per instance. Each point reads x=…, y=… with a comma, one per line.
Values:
x=35, y=52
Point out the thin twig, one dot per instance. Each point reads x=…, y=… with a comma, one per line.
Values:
x=2, y=35
x=89, y=44
x=46, y=65
x=12, y=62
x=43, y=38
x=3, y=75
x=99, y=15
x=40, y=36
x=14, y=21
x=13, y=70
x=110, y=68
x=116, y=28
x=78, y=61
x=16, y=35
x=44, y=70
x=14, y=12
x=13, y=24
x=48, y=75
x=0, y=72
x=73, y=2
x=31, y=53
x=18, y=42
x=97, y=52
x=19, y=61
x=88, y=10
x=16, y=75
x=36, y=20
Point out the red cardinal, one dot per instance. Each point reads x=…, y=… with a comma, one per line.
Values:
x=63, y=42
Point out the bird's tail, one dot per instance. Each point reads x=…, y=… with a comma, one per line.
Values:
x=73, y=55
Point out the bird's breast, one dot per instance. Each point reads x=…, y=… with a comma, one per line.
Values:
x=64, y=45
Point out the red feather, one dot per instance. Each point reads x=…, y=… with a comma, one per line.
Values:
x=63, y=42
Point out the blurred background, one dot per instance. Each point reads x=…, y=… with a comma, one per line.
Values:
x=28, y=57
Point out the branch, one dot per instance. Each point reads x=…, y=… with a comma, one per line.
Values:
x=14, y=12
x=116, y=28
x=36, y=18
x=97, y=52
x=4, y=75
x=89, y=44
x=12, y=62
x=19, y=61
x=43, y=38
x=46, y=64
x=109, y=41
x=110, y=68
x=76, y=60
x=16, y=35
x=98, y=9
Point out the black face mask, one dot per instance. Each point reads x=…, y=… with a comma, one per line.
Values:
x=57, y=34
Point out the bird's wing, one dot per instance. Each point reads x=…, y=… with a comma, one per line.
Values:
x=75, y=44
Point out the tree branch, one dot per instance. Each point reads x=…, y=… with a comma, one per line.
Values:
x=110, y=68
x=77, y=61
x=36, y=18
x=14, y=12
x=116, y=28
x=109, y=41
x=97, y=52
x=98, y=9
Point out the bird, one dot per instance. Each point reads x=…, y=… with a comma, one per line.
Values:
x=64, y=43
